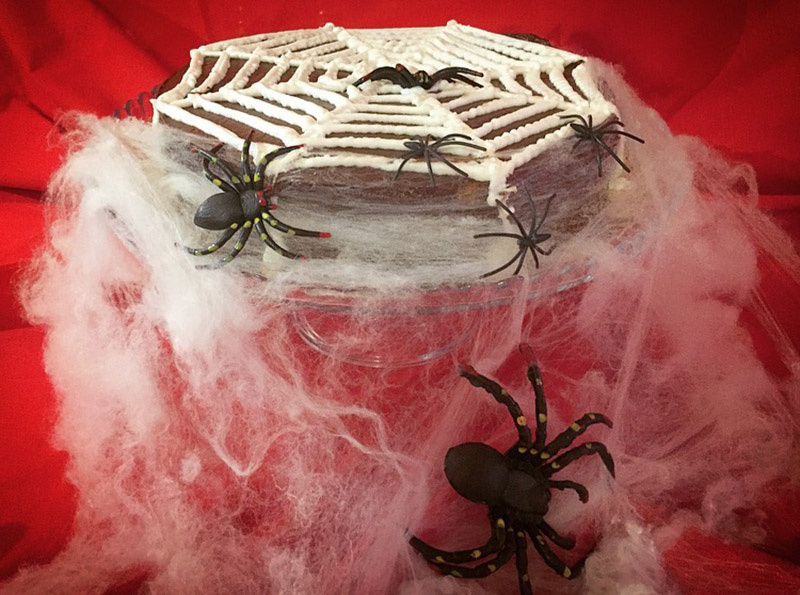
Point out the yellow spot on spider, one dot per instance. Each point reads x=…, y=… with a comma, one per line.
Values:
x=476, y=554
x=492, y=567
x=545, y=455
x=540, y=539
x=291, y=232
x=522, y=450
x=212, y=248
x=256, y=220
x=227, y=258
x=263, y=236
x=256, y=178
x=520, y=534
x=575, y=427
x=525, y=578
x=234, y=226
x=246, y=178
x=504, y=393
x=592, y=416
x=456, y=574
x=589, y=445
x=235, y=180
x=567, y=572
x=272, y=222
x=439, y=559
x=521, y=421
x=501, y=523
x=248, y=224
x=542, y=417
x=216, y=182
x=238, y=246
x=555, y=465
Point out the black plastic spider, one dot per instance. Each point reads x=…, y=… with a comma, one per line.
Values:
x=243, y=204
x=516, y=488
x=400, y=75
x=587, y=132
x=423, y=147
x=526, y=240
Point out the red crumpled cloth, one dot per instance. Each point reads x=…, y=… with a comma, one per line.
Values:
x=725, y=70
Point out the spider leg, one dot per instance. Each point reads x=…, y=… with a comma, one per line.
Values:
x=241, y=240
x=624, y=133
x=481, y=570
x=535, y=378
x=427, y=152
x=501, y=396
x=272, y=244
x=578, y=427
x=267, y=159
x=522, y=254
x=288, y=229
x=498, y=234
x=550, y=558
x=219, y=182
x=502, y=267
x=611, y=152
x=446, y=162
x=402, y=163
x=247, y=173
x=463, y=79
x=221, y=241
x=566, y=543
x=587, y=448
x=212, y=156
x=385, y=73
x=522, y=564
x=496, y=542
x=583, y=493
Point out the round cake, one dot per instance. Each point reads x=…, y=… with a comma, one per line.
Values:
x=444, y=154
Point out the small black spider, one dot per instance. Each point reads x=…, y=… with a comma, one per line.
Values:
x=526, y=240
x=400, y=75
x=587, y=132
x=516, y=487
x=243, y=204
x=423, y=147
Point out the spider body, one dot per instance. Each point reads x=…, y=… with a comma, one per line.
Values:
x=586, y=132
x=427, y=148
x=243, y=205
x=516, y=487
x=527, y=239
x=400, y=75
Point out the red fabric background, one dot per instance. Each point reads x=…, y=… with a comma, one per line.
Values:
x=725, y=70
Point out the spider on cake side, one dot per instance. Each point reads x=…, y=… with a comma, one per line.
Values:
x=516, y=487
x=242, y=205
x=585, y=131
x=526, y=239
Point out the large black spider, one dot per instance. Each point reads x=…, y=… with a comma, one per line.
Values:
x=516, y=488
x=526, y=239
x=243, y=204
x=423, y=147
x=400, y=75
x=585, y=131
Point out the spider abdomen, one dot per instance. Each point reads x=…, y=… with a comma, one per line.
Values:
x=477, y=471
x=219, y=211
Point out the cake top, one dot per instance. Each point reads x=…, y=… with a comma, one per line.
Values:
x=319, y=88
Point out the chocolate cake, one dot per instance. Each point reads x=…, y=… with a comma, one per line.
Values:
x=447, y=126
